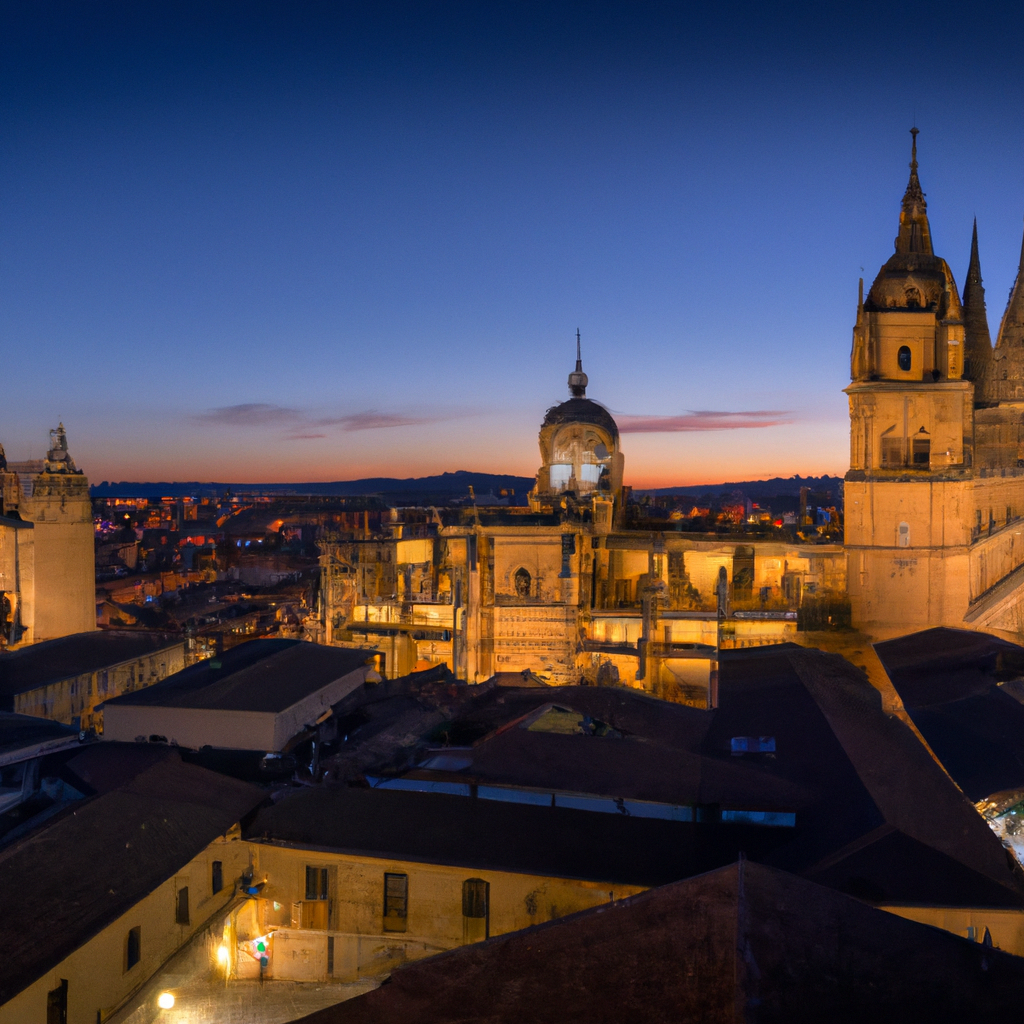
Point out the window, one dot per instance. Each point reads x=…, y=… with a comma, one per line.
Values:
x=522, y=583
x=475, y=907
x=217, y=876
x=903, y=358
x=396, y=901
x=903, y=535
x=57, y=1004
x=181, y=906
x=892, y=451
x=316, y=883
x=132, y=948
x=474, y=898
x=922, y=449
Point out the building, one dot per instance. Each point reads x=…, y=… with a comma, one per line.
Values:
x=24, y=743
x=47, y=562
x=935, y=490
x=95, y=901
x=743, y=943
x=566, y=588
x=257, y=696
x=66, y=679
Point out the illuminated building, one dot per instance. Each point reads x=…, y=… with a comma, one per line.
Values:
x=935, y=491
x=47, y=563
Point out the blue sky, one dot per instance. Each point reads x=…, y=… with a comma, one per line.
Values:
x=315, y=241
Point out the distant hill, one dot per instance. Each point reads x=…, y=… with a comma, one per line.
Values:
x=451, y=484
x=754, y=489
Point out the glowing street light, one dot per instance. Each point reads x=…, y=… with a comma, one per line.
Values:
x=165, y=1001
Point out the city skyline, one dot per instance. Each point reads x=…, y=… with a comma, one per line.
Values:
x=339, y=242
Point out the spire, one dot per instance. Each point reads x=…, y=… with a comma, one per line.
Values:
x=1011, y=330
x=914, y=234
x=578, y=379
x=977, y=340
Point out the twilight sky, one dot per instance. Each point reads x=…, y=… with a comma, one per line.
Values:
x=319, y=241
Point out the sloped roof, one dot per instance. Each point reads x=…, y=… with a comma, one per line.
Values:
x=743, y=943
x=53, y=660
x=260, y=675
x=853, y=775
x=67, y=881
x=498, y=836
x=958, y=688
x=25, y=732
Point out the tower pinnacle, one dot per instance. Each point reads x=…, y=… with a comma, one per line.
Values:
x=578, y=379
x=977, y=341
x=914, y=234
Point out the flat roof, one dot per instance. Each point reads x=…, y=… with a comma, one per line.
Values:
x=265, y=675
x=29, y=668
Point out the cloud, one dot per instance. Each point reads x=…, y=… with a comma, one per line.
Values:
x=702, y=420
x=374, y=421
x=301, y=425
x=249, y=414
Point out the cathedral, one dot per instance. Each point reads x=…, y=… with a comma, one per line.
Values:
x=568, y=590
x=47, y=566
x=935, y=490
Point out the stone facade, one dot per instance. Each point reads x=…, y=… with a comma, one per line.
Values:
x=935, y=492
x=47, y=580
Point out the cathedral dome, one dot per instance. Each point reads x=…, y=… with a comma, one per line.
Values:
x=909, y=281
x=581, y=410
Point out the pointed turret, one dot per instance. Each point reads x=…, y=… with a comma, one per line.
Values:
x=1005, y=379
x=914, y=234
x=977, y=340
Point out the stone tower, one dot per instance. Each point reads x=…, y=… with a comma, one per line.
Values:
x=54, y=588
x=908, y=493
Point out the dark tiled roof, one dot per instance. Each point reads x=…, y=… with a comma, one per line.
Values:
x=67, y=881
x=498, y=836
x=53, y=660
x=18, y=732
x=260, y=675
x=957, y=686
x=852, y=774
x=743, y=943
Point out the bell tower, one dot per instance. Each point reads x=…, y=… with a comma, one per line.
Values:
x=908, y=493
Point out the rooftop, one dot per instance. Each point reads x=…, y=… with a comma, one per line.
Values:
x=68, y=880
x=265, y=675
x=742, y=943
x=29, y=668
x=21, y=734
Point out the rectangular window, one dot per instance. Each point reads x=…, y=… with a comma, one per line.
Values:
x=396, y=901
x=181, y=907
x=132, y=948
x=57, y=1004
x=922, y=451
x=316, y=883
x=217, y=877
x=892, y=451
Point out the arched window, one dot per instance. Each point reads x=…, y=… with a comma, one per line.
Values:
x=903, y=358
x=521, y=579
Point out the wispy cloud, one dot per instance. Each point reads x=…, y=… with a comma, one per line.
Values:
x=703, y=420
x=301, y=426
x=249, y=414
x=374, y=421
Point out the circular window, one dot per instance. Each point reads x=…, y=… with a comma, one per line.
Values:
x=903, y=358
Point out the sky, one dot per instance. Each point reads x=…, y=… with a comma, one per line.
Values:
x=273, y=242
